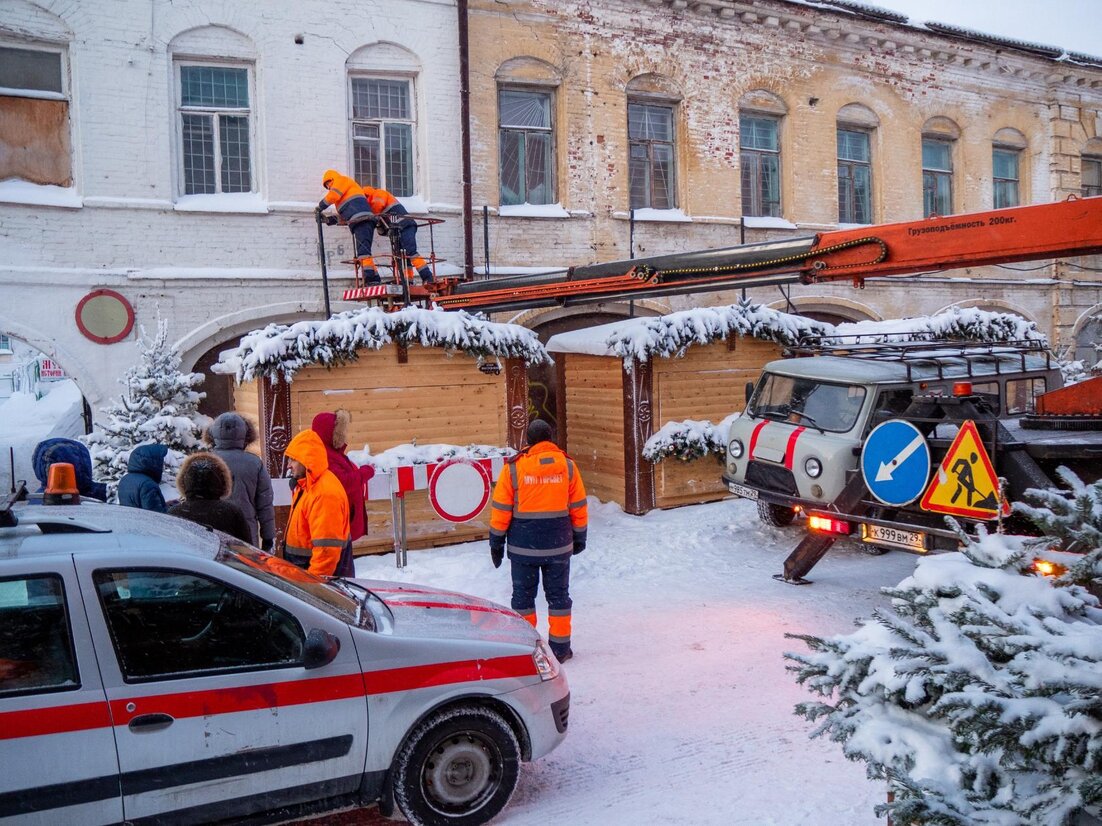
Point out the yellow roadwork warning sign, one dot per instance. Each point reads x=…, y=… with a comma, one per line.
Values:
x=965, y=483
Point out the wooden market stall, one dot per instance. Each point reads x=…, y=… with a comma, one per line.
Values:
x=622, y=382
x=410, y=377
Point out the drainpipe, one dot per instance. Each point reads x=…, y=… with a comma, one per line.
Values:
x=465, y=136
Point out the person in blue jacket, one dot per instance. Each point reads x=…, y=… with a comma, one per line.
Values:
x=49, y=451
x=141, y=486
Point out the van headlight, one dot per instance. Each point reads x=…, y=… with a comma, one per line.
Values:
x=813, y=467
x=735, y=449
x=547, y=666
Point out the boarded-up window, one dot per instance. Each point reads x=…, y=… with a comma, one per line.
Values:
x=34, y=117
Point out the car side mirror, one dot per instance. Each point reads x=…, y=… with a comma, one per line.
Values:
x=749, y=390
x=321, y=648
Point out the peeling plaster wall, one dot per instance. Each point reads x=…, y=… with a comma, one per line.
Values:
x=817, y=61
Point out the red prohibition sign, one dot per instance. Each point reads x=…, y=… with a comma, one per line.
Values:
x=459, y=490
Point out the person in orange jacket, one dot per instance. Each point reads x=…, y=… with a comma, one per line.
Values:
x=317, y=528
x=539, y=508
x=360, y=207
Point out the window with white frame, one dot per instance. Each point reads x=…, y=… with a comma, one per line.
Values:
x=651, y=161
x=35, y=140
x=383, y=122
x=216, y=122
x=854, y=177
x=760, y=158
x=5, y=345
x=526, y=147
x=1006, y=176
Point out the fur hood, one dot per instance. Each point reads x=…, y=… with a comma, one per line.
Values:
x=204, y=476
x=229, y=431
x=333, y=428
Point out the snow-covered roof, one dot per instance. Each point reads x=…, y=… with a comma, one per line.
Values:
x=281, y=349
x=671, y=335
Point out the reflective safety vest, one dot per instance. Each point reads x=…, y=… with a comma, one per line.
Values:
x=539, y=504
x=318, y=524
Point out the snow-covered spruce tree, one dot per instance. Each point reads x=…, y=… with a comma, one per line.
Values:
x=160, y=405
x=978, y=695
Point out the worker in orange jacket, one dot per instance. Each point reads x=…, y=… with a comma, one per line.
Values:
x=361, y=208
x=539, y=507
x=317, y=529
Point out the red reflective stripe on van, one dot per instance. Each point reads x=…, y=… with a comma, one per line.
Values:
x=36, y=722
x=425, y=676
x=790, y=448
x=239, y=698
x=489, y=609
x=754, y=440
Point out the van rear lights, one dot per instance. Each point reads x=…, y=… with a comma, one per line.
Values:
x=962, y=388
x=61, y=485
x=1046, y=568
x=825, y=524
x=736, y=448
x=813, y=467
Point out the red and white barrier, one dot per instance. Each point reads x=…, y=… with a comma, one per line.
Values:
x=403, y=478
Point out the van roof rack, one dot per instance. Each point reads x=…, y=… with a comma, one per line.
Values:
x=932, y=353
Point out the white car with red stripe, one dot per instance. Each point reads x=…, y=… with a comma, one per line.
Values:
x=154, y=671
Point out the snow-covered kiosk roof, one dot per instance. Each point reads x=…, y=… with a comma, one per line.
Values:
x=623, y=381
x=409, y=378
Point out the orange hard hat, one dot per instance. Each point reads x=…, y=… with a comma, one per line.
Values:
x=329, y=176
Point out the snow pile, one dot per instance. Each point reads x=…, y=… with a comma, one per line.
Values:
x=958, y=323
x=689, y=440
x=412, y=454
x=25, y=421
x=160, y=405
x=281, y=349
x=671, y=335
x=978, y=696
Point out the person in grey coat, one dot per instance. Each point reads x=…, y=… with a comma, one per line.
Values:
x=229, y=435
x=141, y=486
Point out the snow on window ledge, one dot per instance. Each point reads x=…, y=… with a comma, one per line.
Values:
x=15, y=191
x=415, y=204
x=532, y=211
x=231, y=202
x=657, y=215
x=766, y=222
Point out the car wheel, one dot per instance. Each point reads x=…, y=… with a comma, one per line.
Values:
x=779, y=516
x=459, y=767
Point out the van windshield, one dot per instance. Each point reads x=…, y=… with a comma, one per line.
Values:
x=831, y=407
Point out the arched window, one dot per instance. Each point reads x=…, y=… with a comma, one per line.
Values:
x=35, y=137
x=1006, y=168
x=939, y=138
x=856, y=125
x=761, y=114
x=214, y=69
x=652, y=141
x=1091, y=169
x=526, y=88
x=383, y=117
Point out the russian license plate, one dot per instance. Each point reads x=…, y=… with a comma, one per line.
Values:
x=744, y=492
x=883, y=535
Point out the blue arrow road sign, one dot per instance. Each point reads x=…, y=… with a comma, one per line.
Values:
x=895, y=462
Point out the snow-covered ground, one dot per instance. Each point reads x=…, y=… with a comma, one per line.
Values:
x=25, y=421
x=681, y=708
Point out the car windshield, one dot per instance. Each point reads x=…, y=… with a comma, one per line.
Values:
x=830, y=407
x=339, y=602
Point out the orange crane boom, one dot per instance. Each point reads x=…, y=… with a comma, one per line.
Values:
x=1066, y=228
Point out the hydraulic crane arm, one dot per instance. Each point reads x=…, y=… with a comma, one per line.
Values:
x=1066, y=228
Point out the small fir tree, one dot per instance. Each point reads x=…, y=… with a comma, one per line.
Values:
x=160, y=405
x=978, y=695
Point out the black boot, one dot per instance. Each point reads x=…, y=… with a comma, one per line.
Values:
x=371, y=278
x=426, y=275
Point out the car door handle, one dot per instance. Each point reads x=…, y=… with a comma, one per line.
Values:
x=146, y=723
